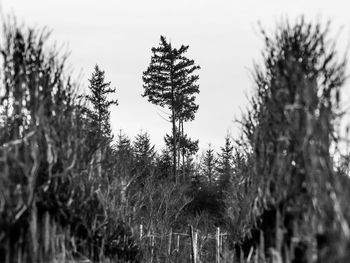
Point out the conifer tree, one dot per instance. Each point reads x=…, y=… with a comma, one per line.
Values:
x=169, y=82
x=100, y=114
x=208, y=166
x=123, y=144
x=163, y=163
x=99, y=91
x=124, y=153
x=124, y=164
x=224, y=163
x=144, y=153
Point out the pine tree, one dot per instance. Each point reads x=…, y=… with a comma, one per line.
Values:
x=100, y=129
x=125, y=156
x=169, y=82
x=208, y=165
x=144, y=153
x=124, y=164
x=163, y=163
x=123, y=144
x=100, y=114
x=225, y=163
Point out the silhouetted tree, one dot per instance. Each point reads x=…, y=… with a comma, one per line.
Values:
x=98, y=98
x=124, y=155
x=225, y=163
x=208, y=165
x=169, y=81
x=100, y=130
x=144, y=154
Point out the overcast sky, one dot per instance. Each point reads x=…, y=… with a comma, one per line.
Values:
x=222, y=35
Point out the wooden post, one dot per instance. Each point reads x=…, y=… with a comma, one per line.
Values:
x=101, y=254
x=178, y=243
x=262, y=247
x=193, y=236
x=222, y=250
x=218, y=245
x=251, y=251
x=141, y=231
x=46, y=233
x=279, y=234
x=152, y=247
x=169, y=241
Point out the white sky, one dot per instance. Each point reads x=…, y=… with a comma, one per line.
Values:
x=223, y=38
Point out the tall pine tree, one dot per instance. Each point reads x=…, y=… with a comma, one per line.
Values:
x=100, y=114
x=170, y=82
x=100, y=129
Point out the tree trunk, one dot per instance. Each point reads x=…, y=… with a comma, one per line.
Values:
x=183, y=149
x=174, y=145
x=173, y=120
x=179, y=145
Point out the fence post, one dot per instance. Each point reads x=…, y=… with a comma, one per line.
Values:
x=193, y=245
x=262, y=247
x=218, y=245
x=152, y=247
x=279, y=234
x=177, y=242
x=169, y=242
x=141, y=231
x=195, y=236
